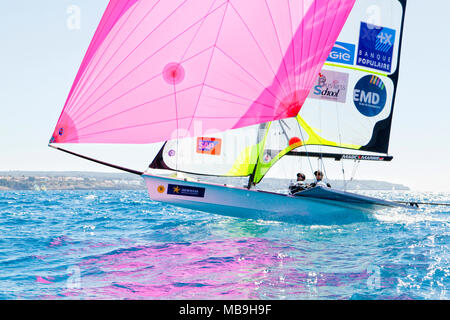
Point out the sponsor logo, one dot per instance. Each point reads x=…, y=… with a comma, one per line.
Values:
x=370, y=95
x=361, y=157
x=212, y=146
x=330, y=85
x=187, y=191
x=343, y=53
x=161, y=189
x=172, y=153
x=376, y=47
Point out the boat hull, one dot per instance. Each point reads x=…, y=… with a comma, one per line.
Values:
x=254, y=204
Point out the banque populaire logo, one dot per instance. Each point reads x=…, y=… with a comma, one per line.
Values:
x=370, y=95
x=342, y=53
x=376, y=47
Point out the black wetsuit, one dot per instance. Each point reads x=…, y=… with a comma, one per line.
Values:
x=320, y=183
x=297, y=187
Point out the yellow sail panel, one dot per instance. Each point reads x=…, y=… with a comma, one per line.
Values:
x=315, y=139
x=245, y=163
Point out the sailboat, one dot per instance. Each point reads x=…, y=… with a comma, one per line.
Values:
x=233, y=86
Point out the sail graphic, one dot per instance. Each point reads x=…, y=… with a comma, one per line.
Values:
x=352, y=100
x=350, y=105
x=157, y=70
x=232, y=153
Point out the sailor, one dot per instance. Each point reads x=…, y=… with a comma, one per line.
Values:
x=319, y=180
x=299, y=185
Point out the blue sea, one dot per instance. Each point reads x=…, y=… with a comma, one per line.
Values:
x=122, y=245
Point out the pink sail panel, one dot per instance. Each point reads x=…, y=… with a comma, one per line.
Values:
x=157, y=70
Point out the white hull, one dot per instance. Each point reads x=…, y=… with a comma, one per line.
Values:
x=254, y=204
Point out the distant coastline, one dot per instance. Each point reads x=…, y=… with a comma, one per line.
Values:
x=43, y=181
x=74, y=180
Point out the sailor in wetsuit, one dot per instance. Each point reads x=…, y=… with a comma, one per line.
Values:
x=319, y=180
x=299, y=185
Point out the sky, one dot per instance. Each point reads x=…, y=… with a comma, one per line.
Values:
x=42, y=48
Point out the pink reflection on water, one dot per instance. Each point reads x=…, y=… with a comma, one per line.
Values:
x=59, y=241
x=43, y=280
x=225, y=269
x=239, y=268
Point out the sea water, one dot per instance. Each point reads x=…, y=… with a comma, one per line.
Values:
x=122, y=245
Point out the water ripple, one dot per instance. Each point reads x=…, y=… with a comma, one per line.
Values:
x=122, y=245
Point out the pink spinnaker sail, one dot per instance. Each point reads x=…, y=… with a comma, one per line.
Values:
x=157, y=70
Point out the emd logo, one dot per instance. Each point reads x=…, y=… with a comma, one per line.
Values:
x=343, y=53
x=370, y=96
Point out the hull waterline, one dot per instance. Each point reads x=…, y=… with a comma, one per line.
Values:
x=319, y=207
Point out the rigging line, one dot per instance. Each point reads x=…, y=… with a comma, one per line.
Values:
x=285, y=123
x=320, y=159
x=324, y=168
x=139, y=173
x=355, y=168
x=176, y=115
x=282, y=124
x=304, y=144
x=343, y=176
x=340, y=144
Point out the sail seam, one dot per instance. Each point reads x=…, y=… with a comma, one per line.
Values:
x=76, y=94
x=208, y=67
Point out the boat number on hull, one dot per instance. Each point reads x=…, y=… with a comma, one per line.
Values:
x=187, y=191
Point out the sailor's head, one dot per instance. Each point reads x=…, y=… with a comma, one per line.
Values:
x=319, y=175
x=300, y=177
